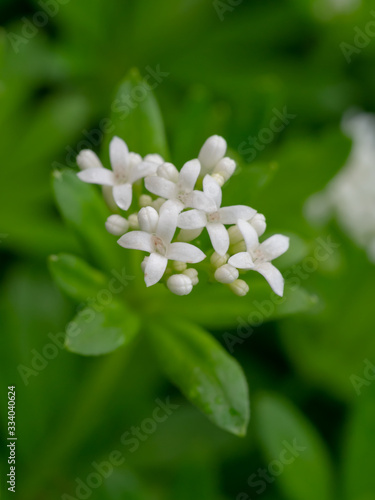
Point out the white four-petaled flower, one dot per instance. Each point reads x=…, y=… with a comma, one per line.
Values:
x=214, y=220
x=182, y=189
x=258, y=256
x=127, y=168
x=155, y=238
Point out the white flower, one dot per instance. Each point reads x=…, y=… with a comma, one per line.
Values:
x=117, y=225
x=215, y=219
x=127, y=168
x=212, y=151
x=258, y=256
x=182, y=189
x=158, y=243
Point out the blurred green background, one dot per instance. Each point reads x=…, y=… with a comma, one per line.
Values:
x=227, y=66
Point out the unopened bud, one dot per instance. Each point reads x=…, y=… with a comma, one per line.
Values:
x=133, y=221
x=235, y=235
x=180, y=284
x=212, y=152
x=239, y=287
x=179, y=266
x=148, y=219
x=237, y=247
x=218, y=260
x=225, y=168
x=154, y=158
x=192, y=274
x=115, y=224
x=158, y=203
x=259, y=223
x=88, y=159
x=145, y=200
x=168, y=171
x=219, y=179
x=226, y=274
x=134, y=159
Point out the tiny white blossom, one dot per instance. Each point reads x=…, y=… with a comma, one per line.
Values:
x=215, y=219
x=258, y=256
x=182, y=189
x=180, y=284
x=127, y=168
x=117, y=225
x=158, y=243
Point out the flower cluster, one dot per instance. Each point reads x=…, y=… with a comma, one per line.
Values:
x=171, y=212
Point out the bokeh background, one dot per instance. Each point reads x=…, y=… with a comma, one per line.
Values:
x=231, y=67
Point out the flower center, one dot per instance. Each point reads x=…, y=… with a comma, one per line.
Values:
x=120, y=178
x=159, y=246
x=214, y=217
x=182, y=196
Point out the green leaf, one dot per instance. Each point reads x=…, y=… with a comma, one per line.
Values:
x=84, y=210
x=286, y=436
x=100, y=330
x=206, y=374
x=75, y=277
x=136, y=118
x=359, y=452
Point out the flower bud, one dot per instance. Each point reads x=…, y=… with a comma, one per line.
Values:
x=158, y=203
x=154, y=158
x=133, y=221
x=145, y=200
x=237, y=247
x=180, y=284
x=134, y=159
x=235, y=235
x=179, y=266
x=168, y=171
x=225, y=168
x=239, y=287
x=148, y=219
x=226, y=274
x=259, y=223
x=115, y=224
x=218, y=260
x=88, y=159
x=219, y=179
x=192, y=274
x=212, y=151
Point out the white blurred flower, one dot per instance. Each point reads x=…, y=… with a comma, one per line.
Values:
x=117, y=225
x=158, y=242
x=127, y=168
x=258, y=257
x=215, y=219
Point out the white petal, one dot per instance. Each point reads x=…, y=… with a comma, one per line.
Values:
x=119, y=155
x=168, y=171
x=123, y=194
x=192, y=219
x=88, y=159
x=219, y=237
x=185, y=252
x=155, y=268
x=160, y=187
x=230, y=215
x=212, y=151
x=212, y=189
x=189, y=234
x=274, y=246
x=101, y=176
x=168, y=216
x=249, y=234
x=137, y=240
x=189, y=175
x=142, y=170
x=241, y=260
x=197, y=199
x=272, y=275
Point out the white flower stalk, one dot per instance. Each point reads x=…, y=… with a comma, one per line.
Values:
x=182, y=190
x=117, y=225
x=215, y=219
x=212, y=151
x=127, y=168
x=258, y=257
x=158, y=242
x=180, y=284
